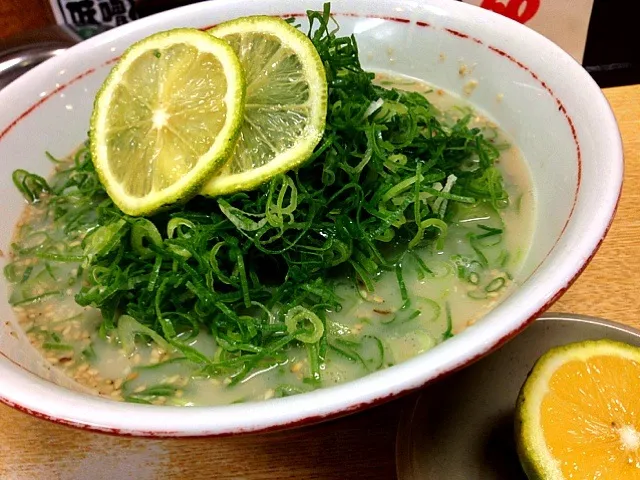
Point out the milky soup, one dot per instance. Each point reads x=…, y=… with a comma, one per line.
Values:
x=435, y=291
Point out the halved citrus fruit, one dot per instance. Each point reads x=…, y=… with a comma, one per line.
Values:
x=286, y=104
x=167, y=116
x=578, y=413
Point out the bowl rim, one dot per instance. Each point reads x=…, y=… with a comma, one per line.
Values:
x=78, y=410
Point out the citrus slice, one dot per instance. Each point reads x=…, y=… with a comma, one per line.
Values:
x=578, y=413
x=286, y=102
x=166, y=117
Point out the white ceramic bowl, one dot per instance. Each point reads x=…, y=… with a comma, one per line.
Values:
x=549, y=105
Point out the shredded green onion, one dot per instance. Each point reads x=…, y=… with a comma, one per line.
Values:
x=298, y=315
x=257, y=270
x=495, y=284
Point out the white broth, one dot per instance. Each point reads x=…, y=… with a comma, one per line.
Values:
x=448, y=289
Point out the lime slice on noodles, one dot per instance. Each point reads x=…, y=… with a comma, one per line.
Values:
x=286, y=105
x=167, y=116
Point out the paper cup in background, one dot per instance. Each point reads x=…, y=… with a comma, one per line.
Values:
x=566, y=22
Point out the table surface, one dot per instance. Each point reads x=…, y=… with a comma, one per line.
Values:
x=22, y=16
x=358, y=446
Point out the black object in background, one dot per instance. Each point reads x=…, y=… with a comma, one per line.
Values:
x=149, y=7
x=612, y=52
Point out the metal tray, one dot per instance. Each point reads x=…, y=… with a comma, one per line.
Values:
x=22, y=52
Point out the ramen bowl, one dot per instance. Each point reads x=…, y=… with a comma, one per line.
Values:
x=538, y=94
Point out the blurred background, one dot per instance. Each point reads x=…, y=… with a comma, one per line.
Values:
x=597, y=33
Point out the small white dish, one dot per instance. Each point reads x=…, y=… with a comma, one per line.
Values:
x=462, y=427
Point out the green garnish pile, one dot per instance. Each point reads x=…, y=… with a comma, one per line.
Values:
x=256, y=269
